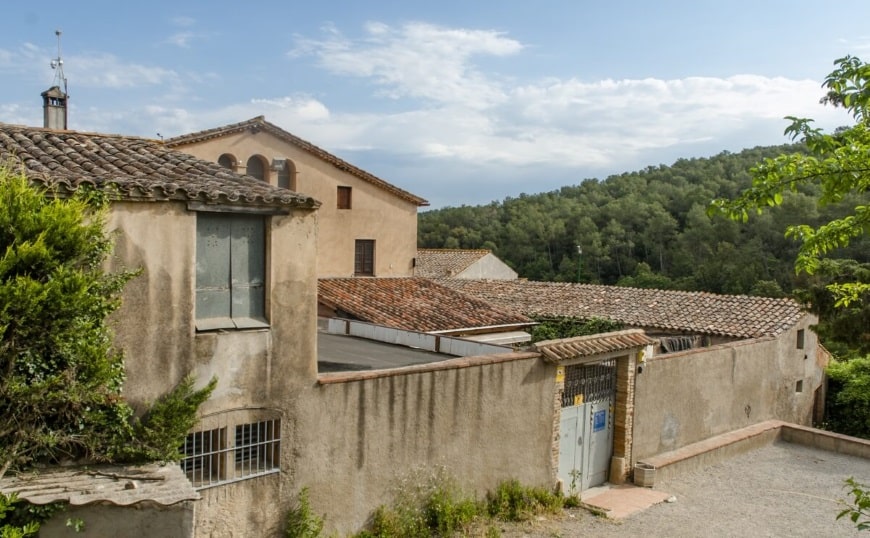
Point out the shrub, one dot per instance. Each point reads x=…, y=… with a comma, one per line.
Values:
x=302, y=522
x=512, y=501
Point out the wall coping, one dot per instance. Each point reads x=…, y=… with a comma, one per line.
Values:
x=448, y=364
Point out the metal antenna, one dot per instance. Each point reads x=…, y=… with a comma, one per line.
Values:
x=57, y=65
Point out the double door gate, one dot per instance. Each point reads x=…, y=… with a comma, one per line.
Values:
x=586, y=425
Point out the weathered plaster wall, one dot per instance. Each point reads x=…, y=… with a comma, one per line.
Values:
x=375, y=214
x=490, y=267
x=485, y=423
x=689, y=396
x=264, y=368
x=111, y=521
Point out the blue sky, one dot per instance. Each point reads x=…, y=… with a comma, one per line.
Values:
x=458, y=102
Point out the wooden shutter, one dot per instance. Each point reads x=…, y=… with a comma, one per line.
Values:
x=213, y=271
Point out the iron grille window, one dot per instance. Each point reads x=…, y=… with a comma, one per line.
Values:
x=589, y=382
x=210, y=460
x=344, y=197
x=257, y=447
x=203, y=453
x=364, y=258
x=230, y=271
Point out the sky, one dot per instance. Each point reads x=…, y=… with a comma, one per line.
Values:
x=459, y=102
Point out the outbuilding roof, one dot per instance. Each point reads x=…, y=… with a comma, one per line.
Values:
x=594, y=344
x=119, y=485
x=260, y=124
x=697, y=312
x=445, y=262
x=412, y=304
x=137, y=168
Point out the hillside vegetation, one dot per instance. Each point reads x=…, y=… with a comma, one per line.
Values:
x=647, y=229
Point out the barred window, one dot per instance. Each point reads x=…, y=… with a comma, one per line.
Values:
x=257, y=447
x=212, y=459
x=203, y=456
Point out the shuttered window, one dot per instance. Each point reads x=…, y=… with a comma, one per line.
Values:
x=344, y=197
x=364, y=257
x=230, y=271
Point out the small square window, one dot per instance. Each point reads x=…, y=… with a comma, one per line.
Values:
x=799, y=386
x=344, y=197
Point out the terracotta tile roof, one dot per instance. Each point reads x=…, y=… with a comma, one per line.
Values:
x=138, y=168
x=412, y=304
x=160, y=484
x=698, y=312
x=595, y=344
x=260, y=123
x=445, y=262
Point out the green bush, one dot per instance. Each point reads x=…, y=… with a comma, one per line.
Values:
x=426, y=504
x=512, y=501
x=432, y=505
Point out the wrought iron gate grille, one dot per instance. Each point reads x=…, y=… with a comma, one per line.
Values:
x=589, y=382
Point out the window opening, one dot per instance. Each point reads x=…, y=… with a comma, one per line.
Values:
x=211, y=458
x=227, y=161
x=230, y=271
x=364, y=257
x=256, y=168
x=344, y=197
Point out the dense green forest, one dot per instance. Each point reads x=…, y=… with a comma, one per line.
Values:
x=648, y=228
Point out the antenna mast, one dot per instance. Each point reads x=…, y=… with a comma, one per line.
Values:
x=57, y=65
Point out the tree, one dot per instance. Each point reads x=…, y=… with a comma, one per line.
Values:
x=837, y=163
x=60, y=376
x=60, y=379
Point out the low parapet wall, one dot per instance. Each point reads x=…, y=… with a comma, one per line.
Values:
x=721, y=447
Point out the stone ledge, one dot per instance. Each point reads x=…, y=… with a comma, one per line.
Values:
x=720, y=447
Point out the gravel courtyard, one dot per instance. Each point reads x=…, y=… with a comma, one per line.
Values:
x=779, y=490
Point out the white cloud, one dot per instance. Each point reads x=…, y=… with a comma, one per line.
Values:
x=416, y=60
x=107, y=71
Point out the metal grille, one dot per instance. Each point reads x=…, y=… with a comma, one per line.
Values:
x=589, y=383
x=211, y=460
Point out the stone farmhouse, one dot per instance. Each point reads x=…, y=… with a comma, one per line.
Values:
x=366, y=226
x=229, y=288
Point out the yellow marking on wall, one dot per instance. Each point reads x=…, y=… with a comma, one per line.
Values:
x=560, y=374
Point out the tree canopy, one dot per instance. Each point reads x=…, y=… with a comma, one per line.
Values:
x=837, y=164
x=647, y=228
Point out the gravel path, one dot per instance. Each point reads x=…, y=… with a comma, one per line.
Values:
x=778, y=490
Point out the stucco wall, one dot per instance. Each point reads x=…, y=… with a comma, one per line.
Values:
x=111, y=521
x=485, y=423
x=689, y=396
x=263, y=368
x=376, y=213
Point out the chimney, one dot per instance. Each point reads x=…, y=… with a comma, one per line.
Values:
x=54, y=108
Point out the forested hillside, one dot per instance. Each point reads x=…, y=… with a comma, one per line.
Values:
x=647, y=228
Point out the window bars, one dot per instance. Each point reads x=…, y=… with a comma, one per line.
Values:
x=589, y=383
x=211, y=459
